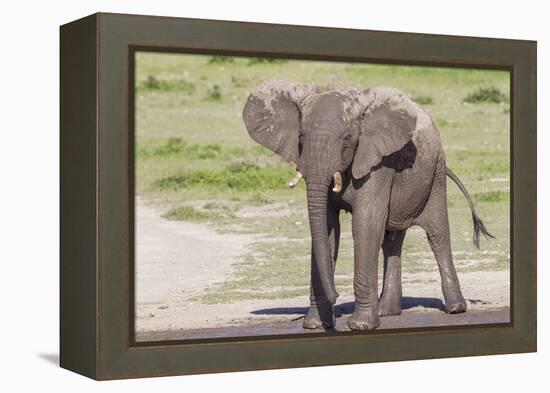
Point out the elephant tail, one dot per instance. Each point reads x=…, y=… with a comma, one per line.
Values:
x=478, y=224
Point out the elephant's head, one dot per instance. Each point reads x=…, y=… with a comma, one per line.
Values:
x=324, y=135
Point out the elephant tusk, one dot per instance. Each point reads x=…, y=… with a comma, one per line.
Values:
x=337, y=182
x=295, y=180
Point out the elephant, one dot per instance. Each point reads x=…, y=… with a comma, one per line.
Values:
x=376, y=154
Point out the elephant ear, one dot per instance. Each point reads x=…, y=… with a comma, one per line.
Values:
x=386, y=127
x=272, y=116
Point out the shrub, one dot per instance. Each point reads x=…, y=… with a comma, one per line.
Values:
x=172, y=146
x=239, y=82
x=259, y=199
x=152, y=83
x=238, y=176
x=214, y=93
x=177, y=146
x=171, y=182
x=203, y=151
x=423, y=100
x=188, y=213
x=221, y=60
x=242, y=166
x=485, y=94
x=264, y=60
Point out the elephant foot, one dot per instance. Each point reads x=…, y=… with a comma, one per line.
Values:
x=318, y=317
x=454, y=302
x=455, y=307
x=364, y=318
x=389, y=305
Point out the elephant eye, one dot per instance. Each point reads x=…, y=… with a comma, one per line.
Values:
x=347, y=141
x=301, y=139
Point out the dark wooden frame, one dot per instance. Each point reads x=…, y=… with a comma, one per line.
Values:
x=97, y=195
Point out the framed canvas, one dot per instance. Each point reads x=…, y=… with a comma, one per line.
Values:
x=184, y=251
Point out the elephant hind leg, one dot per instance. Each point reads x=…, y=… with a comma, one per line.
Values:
x=390, y=300
x=435, y=222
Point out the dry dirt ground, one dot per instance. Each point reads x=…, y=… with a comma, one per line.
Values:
x=176, y=260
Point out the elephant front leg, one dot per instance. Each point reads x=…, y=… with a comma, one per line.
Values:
x=321, y=312
x=368, y=232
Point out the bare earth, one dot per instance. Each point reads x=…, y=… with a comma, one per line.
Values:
x=176, y=260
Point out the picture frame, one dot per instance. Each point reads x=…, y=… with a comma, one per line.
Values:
x=97, y=195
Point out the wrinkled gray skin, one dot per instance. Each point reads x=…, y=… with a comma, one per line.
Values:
x=394, y=176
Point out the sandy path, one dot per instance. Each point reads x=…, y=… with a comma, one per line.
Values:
x=175, y=260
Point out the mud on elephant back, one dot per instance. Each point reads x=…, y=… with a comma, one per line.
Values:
x=374, y=153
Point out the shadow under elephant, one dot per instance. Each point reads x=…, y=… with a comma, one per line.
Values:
x=348, y=307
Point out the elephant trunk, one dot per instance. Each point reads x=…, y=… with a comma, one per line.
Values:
x=317, y=195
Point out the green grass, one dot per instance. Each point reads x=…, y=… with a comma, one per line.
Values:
x=221, y=60
x=486, y=94
x=189, y=213
x=423, y=100
x=178, y=147
x=492, y=196
x=259, y=199
x=214, y=93
x=478, y=163
x=180, y=85
x=264, y=60
x=237, y=176
x=194, y=154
